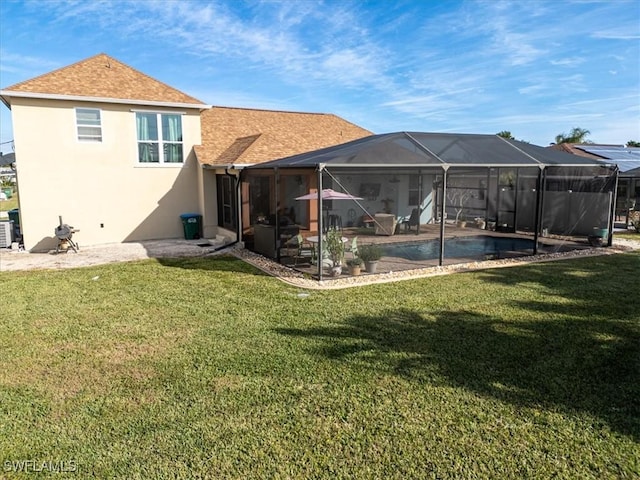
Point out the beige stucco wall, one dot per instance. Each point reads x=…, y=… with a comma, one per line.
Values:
x=99, y=188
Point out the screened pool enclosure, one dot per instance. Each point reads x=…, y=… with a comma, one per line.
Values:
x=419, y=200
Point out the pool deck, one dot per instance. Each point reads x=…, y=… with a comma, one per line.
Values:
x=432, y=232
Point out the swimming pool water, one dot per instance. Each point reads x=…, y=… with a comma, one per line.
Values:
x=460, y=247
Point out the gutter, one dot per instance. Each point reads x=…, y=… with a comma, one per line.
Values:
x=81, y=98
x=236, y=179
x=226, y=166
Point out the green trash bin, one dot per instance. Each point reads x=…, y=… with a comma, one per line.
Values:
x=15, y=216
x=191, y=223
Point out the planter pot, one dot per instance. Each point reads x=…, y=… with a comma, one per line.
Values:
x=595, y=241
x=355, y=270
x=462, y=224
x=600, y=232
x=372, y=267
x=336, y=271
x=481, y=225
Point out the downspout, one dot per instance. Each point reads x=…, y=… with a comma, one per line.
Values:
x=236, y=179
x=320, y=226
x=277, y=215
x=442, y=213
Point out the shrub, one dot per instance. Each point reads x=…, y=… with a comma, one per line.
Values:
x=370, y=253
x=355, y=262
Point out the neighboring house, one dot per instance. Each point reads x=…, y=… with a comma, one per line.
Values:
x=120, y=155
x=628, y=161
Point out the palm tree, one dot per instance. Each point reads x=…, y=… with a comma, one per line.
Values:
x=576, y=135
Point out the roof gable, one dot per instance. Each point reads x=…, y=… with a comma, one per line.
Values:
x=101, y=77
x=242, y=136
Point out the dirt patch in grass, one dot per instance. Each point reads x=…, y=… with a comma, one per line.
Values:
x=66, y=370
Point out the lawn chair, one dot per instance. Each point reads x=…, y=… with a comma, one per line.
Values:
x=413, y=221
x=301, y=250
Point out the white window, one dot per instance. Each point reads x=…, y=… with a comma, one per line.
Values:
x=89, y=124
x=159, y=137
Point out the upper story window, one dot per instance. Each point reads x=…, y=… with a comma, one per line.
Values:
x=159, y=137
x=89, y=124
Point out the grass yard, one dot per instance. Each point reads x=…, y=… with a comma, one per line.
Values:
x=630, y=235
x=10, y=204
x=206, y=368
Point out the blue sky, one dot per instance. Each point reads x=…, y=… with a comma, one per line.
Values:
x=535, y=68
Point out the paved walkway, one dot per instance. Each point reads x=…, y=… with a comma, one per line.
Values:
x=101, y=254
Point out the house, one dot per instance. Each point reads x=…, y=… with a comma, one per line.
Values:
x=120, y=155
x=627, y=160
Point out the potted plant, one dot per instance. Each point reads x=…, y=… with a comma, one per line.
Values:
x=457, y=198
x=335, y=250
x=355, y=266
x=461, y=219
x=370, y=254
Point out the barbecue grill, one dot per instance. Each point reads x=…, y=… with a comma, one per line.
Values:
x=64, y=234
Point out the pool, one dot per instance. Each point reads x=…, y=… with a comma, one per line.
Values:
x=460, y=247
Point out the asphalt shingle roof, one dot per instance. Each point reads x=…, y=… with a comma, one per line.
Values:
x=102, y=76
x=242, y=136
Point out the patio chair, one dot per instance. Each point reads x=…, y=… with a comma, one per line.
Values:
x=413, y=221
x=303, y=251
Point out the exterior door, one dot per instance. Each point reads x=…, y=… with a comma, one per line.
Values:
x=227, y=202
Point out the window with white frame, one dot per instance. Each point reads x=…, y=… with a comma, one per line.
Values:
x=159, y=137
x=89, y=124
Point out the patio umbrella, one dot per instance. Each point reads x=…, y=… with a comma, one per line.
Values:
x=328, y=194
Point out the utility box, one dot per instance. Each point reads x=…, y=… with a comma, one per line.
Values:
x=6, y=233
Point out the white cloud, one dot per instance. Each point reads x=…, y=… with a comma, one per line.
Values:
x=24, y=65
x=616, y=35
x=568, y=62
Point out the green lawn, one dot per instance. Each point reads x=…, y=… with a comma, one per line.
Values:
x=10, y=204
x=630, y=235
x=206, y=368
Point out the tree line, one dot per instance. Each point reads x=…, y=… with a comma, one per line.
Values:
x=576, y=135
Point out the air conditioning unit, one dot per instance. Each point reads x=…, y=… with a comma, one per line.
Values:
x=6, y=234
